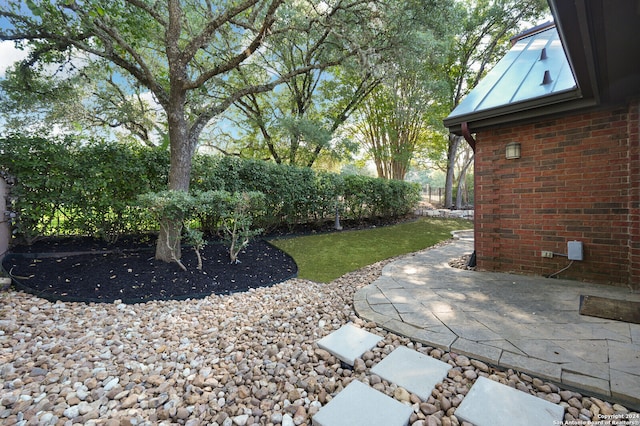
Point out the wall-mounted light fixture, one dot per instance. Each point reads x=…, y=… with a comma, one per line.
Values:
x=513, y=150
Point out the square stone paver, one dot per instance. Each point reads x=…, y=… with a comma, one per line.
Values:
x=490, y=403
x=349, y=342
x=359, y=404
x=416, y=372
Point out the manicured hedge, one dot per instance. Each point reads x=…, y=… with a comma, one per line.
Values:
x=292, y=194
x=65, y=186
x=68, y=187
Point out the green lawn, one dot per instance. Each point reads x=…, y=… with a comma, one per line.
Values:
x=325, y=257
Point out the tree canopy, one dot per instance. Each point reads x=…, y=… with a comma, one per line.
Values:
x=400, y=116
x=269, y=79
x=191, y=55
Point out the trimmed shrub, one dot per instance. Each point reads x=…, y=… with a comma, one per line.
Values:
x=366, y=197
x=235, y=212
x=172, y=209
x=70, y=187
x=293, y=195
x=64, y=186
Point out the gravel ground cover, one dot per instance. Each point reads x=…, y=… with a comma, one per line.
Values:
x=245, y=358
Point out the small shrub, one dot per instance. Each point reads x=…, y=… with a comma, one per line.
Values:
x=196, y=239
x=237, y=220
x=170, y=209
x=178, y=208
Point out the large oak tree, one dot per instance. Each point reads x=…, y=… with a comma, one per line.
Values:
x=190, y=54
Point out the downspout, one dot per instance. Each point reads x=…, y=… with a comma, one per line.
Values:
x=467, y=136
x=472, y=143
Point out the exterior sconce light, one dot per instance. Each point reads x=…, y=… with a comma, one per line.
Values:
x=513, y=151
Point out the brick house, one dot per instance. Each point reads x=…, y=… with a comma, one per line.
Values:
x=557, y=148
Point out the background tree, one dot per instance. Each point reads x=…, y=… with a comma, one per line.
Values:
x=297, y=123
x=79, y=97
x=190, y=54
x=484, y=28
x=392, y=126
x=400, y=117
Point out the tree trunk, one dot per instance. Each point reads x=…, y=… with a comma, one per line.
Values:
x=380, y=169
x=461, y=184
x=454, y=141
x=168, y=247
x=398, y=169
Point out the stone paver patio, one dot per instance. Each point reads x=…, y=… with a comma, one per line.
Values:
x=530, y=324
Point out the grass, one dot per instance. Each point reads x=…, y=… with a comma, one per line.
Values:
x=325, y=257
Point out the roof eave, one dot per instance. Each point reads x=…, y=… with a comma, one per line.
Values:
x=603, y=39
x=572, y=24
x=548, y=105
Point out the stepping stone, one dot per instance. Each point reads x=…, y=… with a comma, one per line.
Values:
x=416, y=372
x=361, y=405
x=348, y=343
x=490, y=403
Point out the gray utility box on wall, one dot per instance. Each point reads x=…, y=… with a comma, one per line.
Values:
x=574, y=250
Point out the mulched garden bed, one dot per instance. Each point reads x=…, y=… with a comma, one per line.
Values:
x=86, y=270
x=82, y=269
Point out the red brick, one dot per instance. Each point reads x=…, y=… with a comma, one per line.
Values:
x=578, y=179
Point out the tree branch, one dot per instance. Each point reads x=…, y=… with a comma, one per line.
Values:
x=150, y=10
x=202, y=120
x=235, y=61
x=205, y=35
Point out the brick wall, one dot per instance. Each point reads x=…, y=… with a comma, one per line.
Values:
x=578, y=178
x=634, y=199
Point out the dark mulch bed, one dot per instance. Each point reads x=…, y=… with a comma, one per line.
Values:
x=127, y=271
x=81, y=269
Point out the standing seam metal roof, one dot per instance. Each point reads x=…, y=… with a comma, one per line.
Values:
x=536, y=66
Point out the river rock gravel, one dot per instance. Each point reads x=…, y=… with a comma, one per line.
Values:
x=242, y=359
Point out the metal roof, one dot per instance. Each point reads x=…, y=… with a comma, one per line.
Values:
x=536, y=66
x=600, y=40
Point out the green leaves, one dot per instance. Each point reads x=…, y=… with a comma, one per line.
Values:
x=34, y=8
x=375, y=197
x=168, y=205
x=237, y=211
x=67, y=186
x=234, y=213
